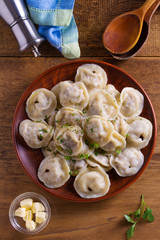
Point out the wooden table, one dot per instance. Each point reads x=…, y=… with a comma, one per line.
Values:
x=101, y=220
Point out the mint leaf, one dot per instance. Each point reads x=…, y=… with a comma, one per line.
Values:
x=136, y=214
x=148, y=215
x=130, y=231
x=128, y=218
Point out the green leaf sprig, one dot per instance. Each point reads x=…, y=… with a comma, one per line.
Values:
x=134, y=217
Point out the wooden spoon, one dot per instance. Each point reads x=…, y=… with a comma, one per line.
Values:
x=143, y=37
x=123, y=32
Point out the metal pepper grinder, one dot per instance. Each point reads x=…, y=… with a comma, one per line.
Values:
x=14, y=12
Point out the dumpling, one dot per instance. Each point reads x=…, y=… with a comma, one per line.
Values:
x=74, y=95
x=54, y=171
x=36, y=134
x=121, y=126
x=100, y=160
x=132, y=102
x=103, y=104
x=128, y=162
x=70, y=116
x=92, y=182
x=51, y=119
x=50, y=149
x=40, y=104
x=69, y=142
x=116, y=142
x=113, y=91
x=76, y=166
x=140, y=132
x=57, y=88
x=98, y=129
x=92, y=75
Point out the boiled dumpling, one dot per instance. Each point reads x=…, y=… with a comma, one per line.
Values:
x=40, y=104
x=132, y=102
x=121, y=126
x=92, y=182
x=70, y=116
x=69, y=142
x=54, y=171
x=103, y=103
x=92, y=75
x=50, y=149
x=36, y=134
x=98, y=159
x=140, y=132
x=98, y=130
x=57, y=88
x=76, y=166
x=116, y=142
x=113, y=91
x=74, y=95
x=128, y=162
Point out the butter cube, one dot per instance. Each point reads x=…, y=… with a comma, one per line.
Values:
x=28, y=216
x=26, y=203
x=20, y=212
x=37, y=207
x=30, y=225
x=40, y=217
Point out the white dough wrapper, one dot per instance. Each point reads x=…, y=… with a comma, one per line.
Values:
x=40, y=104
x=69, y=141
x=36, y=134
x=70, y=116
x=74, y=95
x=92, y=75
x=140, y=132
x=98, y=129
x=102, y=103
x=92, y=182
x=54, y=171
x=50, y=149
x=132, y=102
x=128, y=162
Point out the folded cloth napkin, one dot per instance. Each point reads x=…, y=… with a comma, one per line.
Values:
x=56, y=24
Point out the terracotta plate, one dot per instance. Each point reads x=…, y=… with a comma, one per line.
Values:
x=30, y=159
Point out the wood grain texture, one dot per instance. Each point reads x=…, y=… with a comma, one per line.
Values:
x=69, y=220
x=91, y=18
x=100, y=220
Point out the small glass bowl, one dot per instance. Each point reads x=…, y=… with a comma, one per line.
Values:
x=18, y=223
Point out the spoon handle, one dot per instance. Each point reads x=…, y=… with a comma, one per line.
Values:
x=147, y=5
x=151, y=11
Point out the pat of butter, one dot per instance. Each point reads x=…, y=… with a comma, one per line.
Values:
x=40, y=217
x=37, y=207
x=26, y=203
x=30, y=225
x=28, y=216
x=20, y=212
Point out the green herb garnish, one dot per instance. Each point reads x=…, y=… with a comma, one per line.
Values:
x=61, y=141
x=83, y=112
x=87, y=120
x=43, y=130
x=134, y=217
x=48, y=149
x=127, y=135
x=87, y=155
x=118, y=151
x=59, y=137
x=70, y=172
x=77, y=119
x=81, y=155
x=40, y=137
x=57, y=121
x=94, y=145
x=92, y=130
x=73, y=114
x=67, y=157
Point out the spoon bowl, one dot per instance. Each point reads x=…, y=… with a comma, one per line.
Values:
x=123, y=32
x=143, y=36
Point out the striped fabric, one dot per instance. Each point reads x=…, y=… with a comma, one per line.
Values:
x=56, y=24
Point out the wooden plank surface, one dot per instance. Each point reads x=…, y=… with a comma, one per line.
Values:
x=91, y=17
x=100, y=220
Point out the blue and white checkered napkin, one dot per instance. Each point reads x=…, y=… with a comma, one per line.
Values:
x=56, y=24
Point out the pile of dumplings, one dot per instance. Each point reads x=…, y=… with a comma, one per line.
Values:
x=85, y=128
